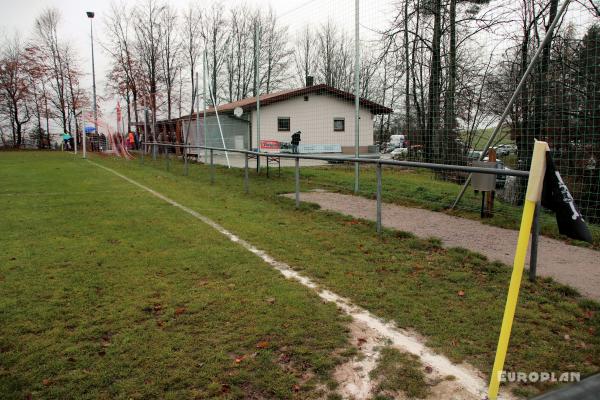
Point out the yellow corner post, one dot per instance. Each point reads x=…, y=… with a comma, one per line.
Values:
x=533, y=195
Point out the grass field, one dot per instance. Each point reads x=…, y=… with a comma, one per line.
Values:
x=107, y=292
x=481, y=137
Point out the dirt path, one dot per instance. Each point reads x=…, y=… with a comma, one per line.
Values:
x=571, y=265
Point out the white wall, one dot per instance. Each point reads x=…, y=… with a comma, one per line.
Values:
x=315, y=119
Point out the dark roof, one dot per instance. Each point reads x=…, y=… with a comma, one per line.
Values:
x=249, y=103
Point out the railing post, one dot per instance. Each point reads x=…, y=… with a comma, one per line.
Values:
x=378, y=197
x=246, y=183
x=297, y=178
x=154, y=151
x=186, y=168
x=535, y=234
x=168, y=158
x=212, y=167
x=142, y=150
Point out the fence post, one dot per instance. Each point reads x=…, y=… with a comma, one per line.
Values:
x=154, y=150
x=246, y=183
x=378, y=197
x=168, y=158
x=535, y=234
x=212, y=167
x=186, y=169
x=297, y=178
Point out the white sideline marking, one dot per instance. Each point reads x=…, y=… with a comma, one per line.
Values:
x=409, y=342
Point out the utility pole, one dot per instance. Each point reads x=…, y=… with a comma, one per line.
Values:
x=356, y=96
x=90, y=15
x=257, y=91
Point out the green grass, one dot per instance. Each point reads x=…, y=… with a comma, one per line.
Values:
x=481, y=137
x=107, y=292
x=414, y=282
x=397, y=276
x=399, y=372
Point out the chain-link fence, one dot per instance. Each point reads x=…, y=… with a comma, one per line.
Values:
x=450, y=82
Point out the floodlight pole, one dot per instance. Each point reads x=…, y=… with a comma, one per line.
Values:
x=257, y=92
x=90, y=15
x=356, y=96
x=204, y=67
x=197, y=119
x=75, y=142
x=83, y=137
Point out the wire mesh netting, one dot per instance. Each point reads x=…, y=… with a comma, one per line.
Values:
x=452, y=82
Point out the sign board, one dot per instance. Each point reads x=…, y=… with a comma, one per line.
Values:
x=275, y=146
x=270, y=146
x=90, y=129
x=319, y=148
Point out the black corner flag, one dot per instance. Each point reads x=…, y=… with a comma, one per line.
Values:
x=556, y=197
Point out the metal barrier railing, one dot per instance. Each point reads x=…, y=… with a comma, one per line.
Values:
x=378, y=163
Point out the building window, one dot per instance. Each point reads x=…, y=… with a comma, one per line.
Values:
x=339, y=124
x=283, y=124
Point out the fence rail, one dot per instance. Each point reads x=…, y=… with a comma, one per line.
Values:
x=358, y=160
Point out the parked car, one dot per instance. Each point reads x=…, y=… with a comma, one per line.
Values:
x=399, y=153
x=474, y=155
x=502, y=150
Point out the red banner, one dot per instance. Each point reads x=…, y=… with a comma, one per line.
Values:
x=272, y=146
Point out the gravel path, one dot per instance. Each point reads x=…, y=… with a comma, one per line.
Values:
x=571, y=265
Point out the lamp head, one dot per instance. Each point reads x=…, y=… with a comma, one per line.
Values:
x=90, y=14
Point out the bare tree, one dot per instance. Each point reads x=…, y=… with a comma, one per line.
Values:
x=216, y=34
x=305, y=54
x=276, y=53
x=192, y=46
x=147, y=31
x=46, y=28
x=122, y=49
x=14, y=88
x=170, y=46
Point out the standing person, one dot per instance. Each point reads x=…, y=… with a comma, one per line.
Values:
x=295, y=142
x=131, y=140
x=66, y=141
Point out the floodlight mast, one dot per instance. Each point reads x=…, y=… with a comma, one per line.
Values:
x=90, y=15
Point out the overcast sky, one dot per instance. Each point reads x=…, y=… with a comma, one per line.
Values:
x=19, y=15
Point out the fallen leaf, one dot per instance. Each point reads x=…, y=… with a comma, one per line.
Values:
x=262, y=344
x=47, y=382
x=296, y=388
x=180, y=310
x=270, y=300
x=567, y=337
x=239, y=359
x=461, y=293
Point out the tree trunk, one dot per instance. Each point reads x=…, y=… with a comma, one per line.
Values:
x=434, y=86
x=448, y=144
